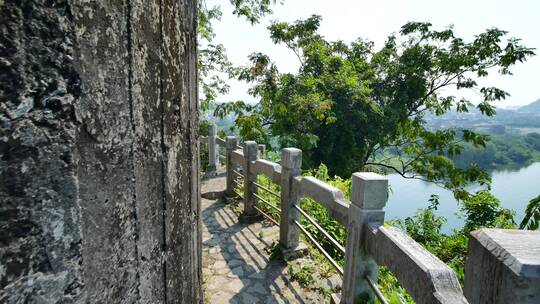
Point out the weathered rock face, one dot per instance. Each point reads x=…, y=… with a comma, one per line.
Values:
x=98, y=152
x=40, y=227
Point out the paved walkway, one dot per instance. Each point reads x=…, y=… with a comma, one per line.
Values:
x=236, y=262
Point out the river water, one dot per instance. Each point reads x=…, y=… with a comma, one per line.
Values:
x=514, y=188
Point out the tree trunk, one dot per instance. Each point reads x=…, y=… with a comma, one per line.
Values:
x=99, y=186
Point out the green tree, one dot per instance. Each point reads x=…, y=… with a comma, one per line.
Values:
x=214, y=67
x=533, y=139
x=479, y=210
x=350, y=104
x=501, y=151
x=531, y=221
x=484, y=210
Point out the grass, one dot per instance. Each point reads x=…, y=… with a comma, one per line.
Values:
x=303, y=274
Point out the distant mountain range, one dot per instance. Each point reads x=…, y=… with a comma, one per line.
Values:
x=533, y=107
x=524, y=119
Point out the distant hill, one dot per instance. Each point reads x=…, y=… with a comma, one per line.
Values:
x=533, y=107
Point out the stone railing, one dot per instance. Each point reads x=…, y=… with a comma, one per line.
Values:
x=503, y=266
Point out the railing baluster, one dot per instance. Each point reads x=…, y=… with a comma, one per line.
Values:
x=376, y=289
x=321, y=229
x=230, y=146
x=250, y=214
x=267, y=216
x=267, y=203
x=212, y=151
x=262, y=151
x=369, y=193
x=267, y=190
x=291, y=163
x=321, y=249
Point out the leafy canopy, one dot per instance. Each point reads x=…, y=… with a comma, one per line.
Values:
x=214, y=66
x=531, y=221
x=350, y=106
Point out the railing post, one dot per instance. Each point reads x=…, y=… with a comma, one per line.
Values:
x=250, y=154
x=262, y=150
x=230, y=146
x=369, y=194
x=291, y=164
x=503, y=266
x=212, y=151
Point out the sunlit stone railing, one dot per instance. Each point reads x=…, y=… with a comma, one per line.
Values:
x=503, y=266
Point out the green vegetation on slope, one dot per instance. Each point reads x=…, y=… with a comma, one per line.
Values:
x=480, y=210
x=502, y=151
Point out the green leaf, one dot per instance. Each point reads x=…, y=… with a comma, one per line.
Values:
x=531, y=221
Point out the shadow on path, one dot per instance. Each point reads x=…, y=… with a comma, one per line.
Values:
x=236, y=262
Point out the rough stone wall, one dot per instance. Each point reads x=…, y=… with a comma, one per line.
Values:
x=98, y=152
x=40, y=239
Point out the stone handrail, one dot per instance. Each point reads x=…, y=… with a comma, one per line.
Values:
x=220, y=142
x=214, y=142
x=338, y=207
x=369, y=243
x=237, y=157
x=434, y=281
x=330, y=197
x=268, y=169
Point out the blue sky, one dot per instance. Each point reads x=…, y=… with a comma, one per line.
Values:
x=375, y=20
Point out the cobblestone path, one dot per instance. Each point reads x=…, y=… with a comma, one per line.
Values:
x=236, y=262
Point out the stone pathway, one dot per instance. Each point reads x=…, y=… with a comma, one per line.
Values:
x=236, y=262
